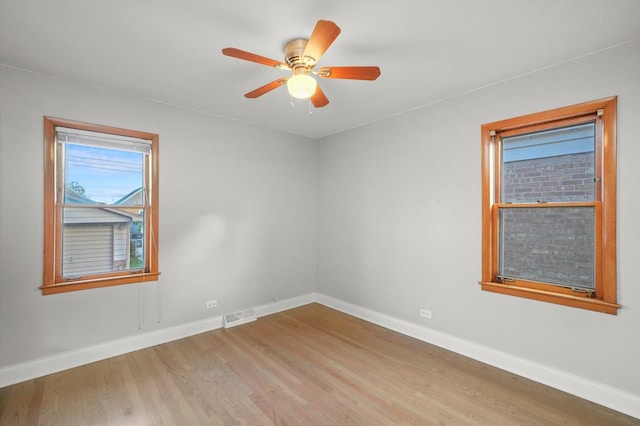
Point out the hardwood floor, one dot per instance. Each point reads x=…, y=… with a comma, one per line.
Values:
x=306, y=366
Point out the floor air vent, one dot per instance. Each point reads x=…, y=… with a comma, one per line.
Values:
x=237, y=318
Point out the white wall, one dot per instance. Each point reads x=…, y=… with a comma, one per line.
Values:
x=237, y=220
x=399, y=222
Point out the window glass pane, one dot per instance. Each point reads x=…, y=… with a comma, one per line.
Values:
x=99, y=240
x=553, y=166
x=549, y=245
x=105, y=233
x=95, y=175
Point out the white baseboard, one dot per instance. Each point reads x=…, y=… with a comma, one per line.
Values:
x=607, y=396
x=52, y=364
x=283, y=305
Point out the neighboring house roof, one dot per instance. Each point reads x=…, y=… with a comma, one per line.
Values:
x=102, y=215
x=72, y=197
x=89, y=215
x=132, y=198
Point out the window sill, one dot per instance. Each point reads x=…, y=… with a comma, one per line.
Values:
x=98, y=283
x=551, y=297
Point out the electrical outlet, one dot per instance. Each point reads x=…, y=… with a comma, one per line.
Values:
x=212, y=304
x=425, y=313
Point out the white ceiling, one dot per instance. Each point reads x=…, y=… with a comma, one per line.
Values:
x=427, y=50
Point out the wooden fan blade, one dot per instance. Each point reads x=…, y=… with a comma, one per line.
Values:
x=266, y=88
x=324, y=33
x=319, y=99
x=352, y=73
x=247, y=56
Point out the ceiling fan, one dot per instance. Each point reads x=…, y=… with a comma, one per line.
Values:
x=301, y=56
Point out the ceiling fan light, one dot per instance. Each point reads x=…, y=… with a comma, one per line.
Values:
x=302, y=86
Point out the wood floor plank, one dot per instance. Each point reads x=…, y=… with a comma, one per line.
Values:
x=307, y=366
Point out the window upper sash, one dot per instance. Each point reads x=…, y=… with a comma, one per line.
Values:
x=576, y=122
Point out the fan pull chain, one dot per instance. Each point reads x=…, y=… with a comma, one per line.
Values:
x=310, y=111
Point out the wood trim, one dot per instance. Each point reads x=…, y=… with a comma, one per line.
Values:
x=552, y=297
x=557, y=114
x=154, y=199
x=487, y=200
x=49, y=258
x=69, y=286
x=609, y=205
x=73, y=124
x=52, y=280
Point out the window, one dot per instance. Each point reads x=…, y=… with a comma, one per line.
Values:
x=549, y=206
x=100, y=206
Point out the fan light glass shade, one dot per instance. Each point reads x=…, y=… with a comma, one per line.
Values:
x=302, y=86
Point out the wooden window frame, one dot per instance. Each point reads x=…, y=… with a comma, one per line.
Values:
x=604, y=299
x=52, y=281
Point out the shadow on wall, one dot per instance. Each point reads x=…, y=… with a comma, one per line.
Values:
x=215, y=255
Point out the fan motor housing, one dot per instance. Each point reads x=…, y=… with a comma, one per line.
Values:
x=294, y=54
